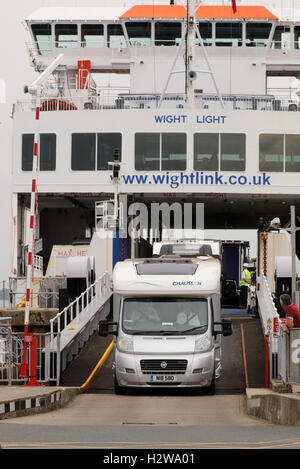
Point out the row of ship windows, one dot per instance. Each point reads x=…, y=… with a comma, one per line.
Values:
x=234, y=34
x=168, y=151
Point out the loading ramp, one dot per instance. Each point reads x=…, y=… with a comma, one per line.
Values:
x=232, y=380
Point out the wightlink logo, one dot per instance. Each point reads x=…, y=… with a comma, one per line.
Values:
x=186, y=284
x=197, y=178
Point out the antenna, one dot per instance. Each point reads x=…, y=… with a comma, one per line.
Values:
x=188, y=40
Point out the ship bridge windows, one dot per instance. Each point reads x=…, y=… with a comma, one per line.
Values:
x=279, y=153
x=43, y=37
x=281, y=38
x=91, y=151
x=139, y=33
x=205, y=30
x=66, y=35
x=115, y=36
x=257, y=34
x=224, y=152
x=160, y=151
x=47, y=153
x=167, y=33
x=229, y=34
x=92, y=35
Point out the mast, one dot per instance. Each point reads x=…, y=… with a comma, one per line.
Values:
x=190, y=74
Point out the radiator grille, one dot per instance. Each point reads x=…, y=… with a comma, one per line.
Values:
x=163, y=366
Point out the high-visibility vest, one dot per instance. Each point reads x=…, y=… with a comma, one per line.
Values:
x=248, y=278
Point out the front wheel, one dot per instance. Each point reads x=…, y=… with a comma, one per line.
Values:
x=119, y=390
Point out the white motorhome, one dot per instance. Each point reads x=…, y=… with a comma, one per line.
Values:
x=167, y=313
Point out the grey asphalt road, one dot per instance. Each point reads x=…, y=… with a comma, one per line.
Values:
x=143, y=421
x=165, y=419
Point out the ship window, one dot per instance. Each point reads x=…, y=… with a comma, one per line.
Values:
x=233, y=152
x=167, y=34
x=139, y=33
x=174, y=151
x=47, y=154
x=292, y=153
x=106, y=145
x=43, y=38
x=271, y=152
x=205, y=30
x=229, y=34
x=115, y=36
x=297, y=37
x=257, y=34
x=281, y=38
x=147, y=151
x=92, y=35
x=83, y=152
x=154, y=151
x=66, y=35
x=206, y=151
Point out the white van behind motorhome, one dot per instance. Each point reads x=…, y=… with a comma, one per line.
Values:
x=167, y=313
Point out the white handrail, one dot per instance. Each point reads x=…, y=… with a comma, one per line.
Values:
x=267, y=308
x=95, y=291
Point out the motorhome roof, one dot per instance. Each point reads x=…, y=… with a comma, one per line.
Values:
x=156, y=277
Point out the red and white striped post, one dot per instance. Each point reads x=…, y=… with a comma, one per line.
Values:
x=24, y=368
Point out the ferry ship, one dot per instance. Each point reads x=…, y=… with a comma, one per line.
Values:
x=196, y=123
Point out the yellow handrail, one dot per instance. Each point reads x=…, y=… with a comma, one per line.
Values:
x=87, y=383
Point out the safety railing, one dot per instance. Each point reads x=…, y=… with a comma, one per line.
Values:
x=75, y=311
x=289, y=356
x=106, y=99
x=45, y=292
x=11, y=358
x=266, y=306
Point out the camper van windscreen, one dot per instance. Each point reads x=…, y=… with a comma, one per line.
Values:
x=165, y=315
x=166, y=268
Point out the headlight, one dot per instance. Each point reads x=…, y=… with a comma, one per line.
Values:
x=202, y=344
x=125, y=344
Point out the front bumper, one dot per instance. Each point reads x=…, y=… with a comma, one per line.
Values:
x=199, y=371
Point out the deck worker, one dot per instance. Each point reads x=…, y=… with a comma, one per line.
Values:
x=292, y=312
x=244, y=283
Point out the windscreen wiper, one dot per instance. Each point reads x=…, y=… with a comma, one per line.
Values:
x=186, y=331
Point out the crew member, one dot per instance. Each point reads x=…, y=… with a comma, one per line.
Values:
x=292, y=312
x=244, y=282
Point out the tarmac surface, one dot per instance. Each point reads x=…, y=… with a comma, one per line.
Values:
x=267, y=404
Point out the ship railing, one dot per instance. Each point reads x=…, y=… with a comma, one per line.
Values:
x=11, y=358
x=44, y=294
x=266, y=306
x=105, y=99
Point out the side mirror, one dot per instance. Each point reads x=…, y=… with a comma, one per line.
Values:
x=225, y=329
x=104, y=328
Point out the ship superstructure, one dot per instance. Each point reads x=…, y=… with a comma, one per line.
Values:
x=230, y=142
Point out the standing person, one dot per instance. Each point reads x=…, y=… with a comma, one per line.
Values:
x=244, y=282
x=292, y=312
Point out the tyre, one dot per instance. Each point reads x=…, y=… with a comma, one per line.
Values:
x=119, y=390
